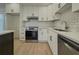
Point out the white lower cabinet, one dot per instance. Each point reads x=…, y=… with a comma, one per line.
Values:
x=42, y=35
x=53, y=43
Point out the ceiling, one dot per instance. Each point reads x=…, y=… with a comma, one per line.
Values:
x=35, y=4
x=30, y=4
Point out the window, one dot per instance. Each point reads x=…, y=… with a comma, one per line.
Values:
x=2, y=22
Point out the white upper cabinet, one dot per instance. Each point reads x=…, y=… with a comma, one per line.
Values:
x=59, y=8
x=62, y=7
x=32, y=10
x=55, y=8
x=29, y=11
x=36, y=11
x=12, y=8
x=50, y=12
x=43, y=13
x=75, y=7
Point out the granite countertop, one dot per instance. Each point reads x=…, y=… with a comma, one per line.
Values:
x=74, y=36
x=6, y=31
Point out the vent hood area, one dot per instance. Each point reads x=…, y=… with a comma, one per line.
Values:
x=32, y=18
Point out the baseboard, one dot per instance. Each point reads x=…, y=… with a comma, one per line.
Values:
x=42, y=41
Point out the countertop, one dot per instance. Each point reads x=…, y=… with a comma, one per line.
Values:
x=74, y=36
x=6, y=31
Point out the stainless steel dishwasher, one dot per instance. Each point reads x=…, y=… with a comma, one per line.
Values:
x=67, y=46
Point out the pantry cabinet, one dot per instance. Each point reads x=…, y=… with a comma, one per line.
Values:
x=12, y=8
x=75, y=7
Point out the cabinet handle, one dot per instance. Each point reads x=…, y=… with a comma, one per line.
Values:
x=51, y=38
x=12, y=10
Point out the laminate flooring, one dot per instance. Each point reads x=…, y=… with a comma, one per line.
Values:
x=24, y=48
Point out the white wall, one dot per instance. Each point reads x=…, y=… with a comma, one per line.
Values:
x=71, y=18
x=2, y=8
x=12, y=23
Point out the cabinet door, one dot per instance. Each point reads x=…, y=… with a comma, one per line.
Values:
x=42, y=35
x=36, y=11
x=12, y=8
x=49, y=12
x=55, y=8
x=29, y=11
x=75, y=7
x=45, y=35
x=50, y=38
x=43, y=14
x=54, y=43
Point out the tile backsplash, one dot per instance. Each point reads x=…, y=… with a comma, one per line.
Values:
x=72, y=19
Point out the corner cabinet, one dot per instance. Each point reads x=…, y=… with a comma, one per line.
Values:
x=12, y=8
x=75, y=7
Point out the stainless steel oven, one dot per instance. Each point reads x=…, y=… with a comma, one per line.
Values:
x=31, y=33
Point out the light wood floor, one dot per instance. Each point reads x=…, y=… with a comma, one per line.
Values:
x=22, y=48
